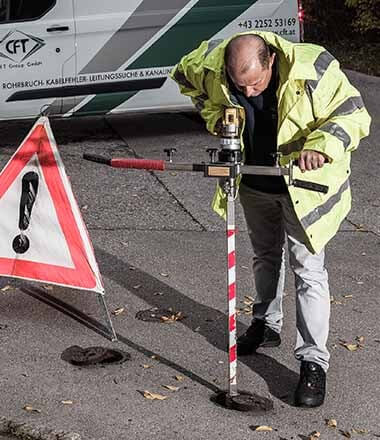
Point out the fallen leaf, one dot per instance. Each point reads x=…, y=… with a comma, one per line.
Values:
x=350, y=347
x=31, y=409
x=348, y=296
x=67, y=402
x=263, y=428
x=5, y=288
x=164, y=274
x=118, y=311
x=334, y=301
x=172, y=318
x=331, y=423
x=314, y=435
x=360, y=431
x=153, y=396
x=346, y=434
x=171, y=387
x=146, y=366
x=137, y=286
x=179, y=378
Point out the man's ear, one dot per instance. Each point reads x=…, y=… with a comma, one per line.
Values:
x=271, y=59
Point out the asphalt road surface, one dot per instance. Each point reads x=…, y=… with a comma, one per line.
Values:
x=158, y=244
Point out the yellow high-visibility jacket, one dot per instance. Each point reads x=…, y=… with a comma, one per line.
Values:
x=318, y=109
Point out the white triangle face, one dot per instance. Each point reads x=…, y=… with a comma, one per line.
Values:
x=58, y=249
x=47, y=243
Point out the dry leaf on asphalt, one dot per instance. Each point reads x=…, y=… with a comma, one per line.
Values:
x=67, y=402
x=118, y=311
x=5, y=288
x=146, y=366
x=331, y=423
x=263, y=428
x=172, y=318
x=171, y=387
x=179, y=378
x=315, y=435
x=346, y=434
x=359, y=431
x=334, y=301
x=348, y=296
x=31, y=409
x=153, y=396
x=350, y=347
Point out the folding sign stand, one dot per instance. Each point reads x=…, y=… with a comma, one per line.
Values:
x=44, y=237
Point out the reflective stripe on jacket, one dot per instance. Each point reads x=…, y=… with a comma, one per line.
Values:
x=318, y=109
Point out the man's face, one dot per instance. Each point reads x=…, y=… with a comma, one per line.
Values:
x=255, y=80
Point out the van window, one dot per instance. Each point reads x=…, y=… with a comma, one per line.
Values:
x=23, y=10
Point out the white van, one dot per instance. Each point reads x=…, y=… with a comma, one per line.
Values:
x=80, y=57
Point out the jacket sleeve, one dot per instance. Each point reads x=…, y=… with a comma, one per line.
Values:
x=341, y=118
x=190, y=75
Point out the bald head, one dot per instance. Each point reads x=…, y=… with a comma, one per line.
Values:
x=246, y=51
x=248, y=62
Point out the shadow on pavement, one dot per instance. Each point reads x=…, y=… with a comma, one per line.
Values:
x=205, y=320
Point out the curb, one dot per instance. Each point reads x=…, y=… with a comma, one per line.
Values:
x=24, y=431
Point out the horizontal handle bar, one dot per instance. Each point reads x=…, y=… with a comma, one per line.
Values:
x=311, y=186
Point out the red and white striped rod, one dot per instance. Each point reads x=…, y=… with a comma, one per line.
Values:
x=231, y=282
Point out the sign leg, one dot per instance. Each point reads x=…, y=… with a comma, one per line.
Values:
x=107, y=316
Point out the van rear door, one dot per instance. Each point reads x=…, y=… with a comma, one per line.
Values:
x=37, y=55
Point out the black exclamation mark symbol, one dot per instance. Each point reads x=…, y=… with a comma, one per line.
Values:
x=28, y=197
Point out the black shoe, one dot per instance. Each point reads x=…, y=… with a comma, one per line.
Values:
x=257, y=335
x=311, y=387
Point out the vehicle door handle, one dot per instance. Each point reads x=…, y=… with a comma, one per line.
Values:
x=57, y=29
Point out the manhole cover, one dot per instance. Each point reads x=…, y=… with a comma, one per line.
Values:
x=243, y=401
x=156, y=314
x=94, y=356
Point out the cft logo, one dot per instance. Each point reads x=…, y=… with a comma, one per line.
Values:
x=18, y=46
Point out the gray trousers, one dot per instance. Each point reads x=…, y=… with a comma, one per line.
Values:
x=271, y=217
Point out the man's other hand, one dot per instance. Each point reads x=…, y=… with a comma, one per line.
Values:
x=310, y=160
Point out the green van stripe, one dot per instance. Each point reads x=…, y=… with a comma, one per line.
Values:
x=201, y=22
x=105, y=101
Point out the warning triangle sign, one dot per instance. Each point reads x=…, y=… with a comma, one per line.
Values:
x=43, y=236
